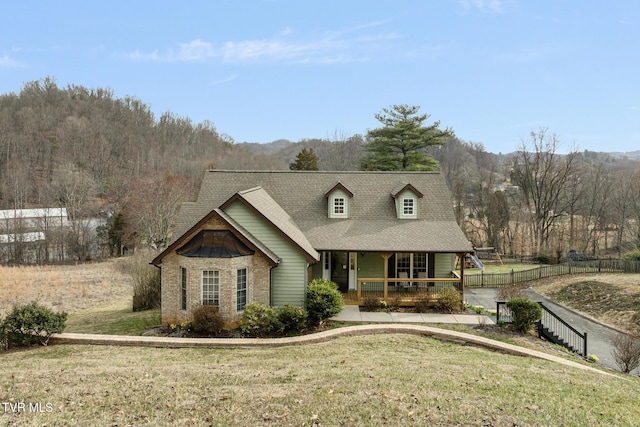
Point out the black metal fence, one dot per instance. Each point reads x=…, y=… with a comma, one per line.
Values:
x=498, y=280
x=551, y=327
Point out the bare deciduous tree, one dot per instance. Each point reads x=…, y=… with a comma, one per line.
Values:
x=542, y=175
x=626, y=352
x=152, y=206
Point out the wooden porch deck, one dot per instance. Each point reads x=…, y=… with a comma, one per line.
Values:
x=404, y=292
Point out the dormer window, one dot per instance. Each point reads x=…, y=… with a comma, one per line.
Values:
x=406, y=199
x=338, y=206
x=339, y=201
x=408, y=207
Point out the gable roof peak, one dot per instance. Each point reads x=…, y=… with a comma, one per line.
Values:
x=337, y=186
x=405, y=186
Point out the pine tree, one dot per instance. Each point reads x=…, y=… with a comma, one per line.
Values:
x=306, y=160
x=400, y=143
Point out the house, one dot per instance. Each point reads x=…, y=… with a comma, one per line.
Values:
x=261, y=236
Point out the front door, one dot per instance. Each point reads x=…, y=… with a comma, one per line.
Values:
x=340, y=270
x=353, y=270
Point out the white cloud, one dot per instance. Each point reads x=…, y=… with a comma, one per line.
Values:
x=7, y=61
x=347, y=45
x=484, y=6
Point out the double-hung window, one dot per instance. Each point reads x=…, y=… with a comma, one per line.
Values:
x=339, y=206
x=408, y=207
x=241, y=289
x=210, y=287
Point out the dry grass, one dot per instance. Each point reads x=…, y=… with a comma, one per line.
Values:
x=399, y=380
x=613, y=299
x=67, y=288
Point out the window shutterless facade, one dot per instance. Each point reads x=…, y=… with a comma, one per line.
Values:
x=241, y=288
x=210, y=287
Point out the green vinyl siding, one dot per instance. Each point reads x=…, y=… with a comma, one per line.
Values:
x=316, y=270
x=370, y=266
x=444, y=265
x=289, y=278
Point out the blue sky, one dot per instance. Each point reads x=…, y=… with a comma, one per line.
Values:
x=492, y=70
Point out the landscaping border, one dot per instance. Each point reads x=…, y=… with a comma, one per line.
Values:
x=422, y=330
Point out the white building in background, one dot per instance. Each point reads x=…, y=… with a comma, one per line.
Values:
x=24, y=233
x=10, y=219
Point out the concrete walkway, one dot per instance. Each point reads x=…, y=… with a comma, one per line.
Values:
x=352, y=313
x=372, y=323
x=383, y=328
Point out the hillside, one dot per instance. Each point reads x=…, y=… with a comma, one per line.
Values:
x=112, y=161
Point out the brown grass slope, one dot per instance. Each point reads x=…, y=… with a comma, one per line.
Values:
x=400, y=380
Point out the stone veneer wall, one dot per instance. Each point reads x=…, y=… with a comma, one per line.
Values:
x=258, y=282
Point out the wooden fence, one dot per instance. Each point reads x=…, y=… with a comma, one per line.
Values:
x=577, y=267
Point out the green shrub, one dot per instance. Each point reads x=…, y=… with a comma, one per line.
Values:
x=292, y=318
x=207, y=319
x=260, y=320
x=371, y=303
x=324, y=300
x=31, y=324
x=3, y=337
x=448, y=299
x=524, y=313
x=633, y=255
x=542, y=259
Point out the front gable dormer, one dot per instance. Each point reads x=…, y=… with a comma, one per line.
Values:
x=406, y=198
x=339, y=200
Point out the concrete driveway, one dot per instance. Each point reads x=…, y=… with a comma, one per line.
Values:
x=599, y=336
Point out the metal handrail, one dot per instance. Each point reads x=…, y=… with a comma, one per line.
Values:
x=557, y=325
x=574, y=340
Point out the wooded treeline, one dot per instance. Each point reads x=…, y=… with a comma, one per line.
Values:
x=100, y=156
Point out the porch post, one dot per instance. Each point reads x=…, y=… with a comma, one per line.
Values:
x=385, y=256
x=462, y=256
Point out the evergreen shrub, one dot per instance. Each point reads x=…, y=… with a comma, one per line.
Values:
x=31, y=324
x=324, y=300
x=524, y=313
x=293, y=319
x=259, y=320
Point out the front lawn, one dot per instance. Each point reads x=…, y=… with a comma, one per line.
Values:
x=113, y=319
x=376, y=380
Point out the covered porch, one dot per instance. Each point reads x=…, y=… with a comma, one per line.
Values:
x=405, y=292
x=401, y=277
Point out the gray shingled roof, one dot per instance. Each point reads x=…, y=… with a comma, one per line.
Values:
x=373, y=225
x=259, y=199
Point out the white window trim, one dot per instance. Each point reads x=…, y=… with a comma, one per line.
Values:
x=246, y=287
x=335, y=214
x=413, y=206
x=216, y=287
